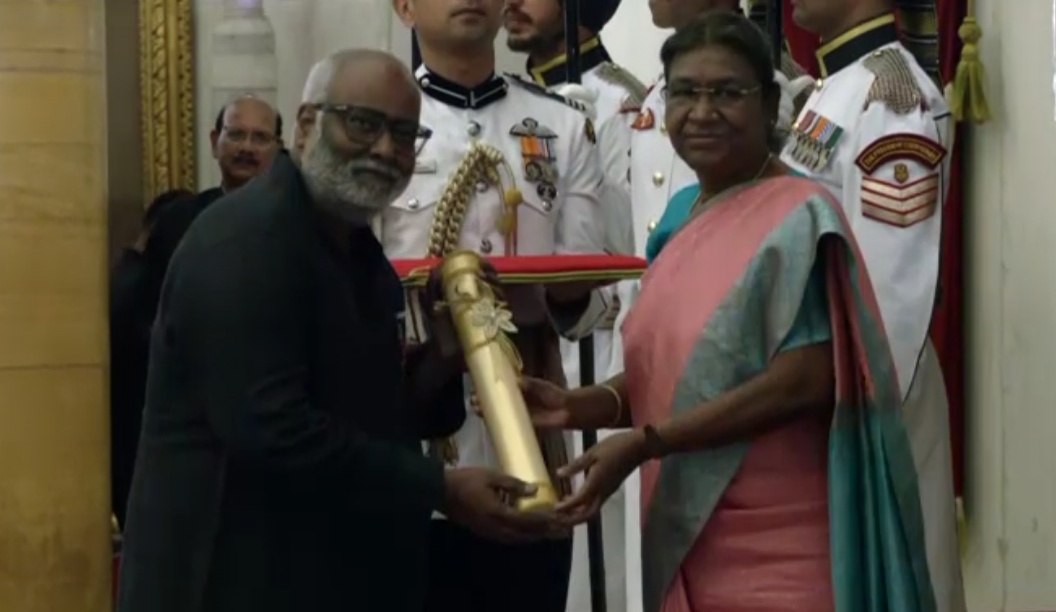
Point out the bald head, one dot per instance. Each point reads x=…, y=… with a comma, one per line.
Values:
x=245, y=138
x=356, y=130
x=330, y=71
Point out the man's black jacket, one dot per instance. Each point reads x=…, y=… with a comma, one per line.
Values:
x=280, y=467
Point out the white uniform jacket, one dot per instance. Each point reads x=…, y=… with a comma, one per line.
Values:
x=549, y=147
x=876, y=131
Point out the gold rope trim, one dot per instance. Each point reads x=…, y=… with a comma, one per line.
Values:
x=967, y=93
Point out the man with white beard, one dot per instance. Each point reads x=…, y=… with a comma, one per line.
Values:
x=279, y=468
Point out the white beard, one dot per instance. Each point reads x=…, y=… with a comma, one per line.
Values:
x=351, y=189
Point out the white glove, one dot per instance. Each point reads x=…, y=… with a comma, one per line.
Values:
x=580, y=94
x=790, y=90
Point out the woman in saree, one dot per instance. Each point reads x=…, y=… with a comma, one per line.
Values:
x=759, y=388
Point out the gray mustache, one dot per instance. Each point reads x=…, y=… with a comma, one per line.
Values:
x=369, y=165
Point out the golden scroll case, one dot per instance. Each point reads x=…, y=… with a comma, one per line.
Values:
x=482, y=162
x=482, y=324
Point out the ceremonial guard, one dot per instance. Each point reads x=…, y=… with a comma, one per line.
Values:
x=511, y=169
x=876, y=131
x=537, y=27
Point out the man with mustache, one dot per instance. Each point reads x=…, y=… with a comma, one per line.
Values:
x=511, y=169
x=246, y=136
x=280, y=468
x=876, y=131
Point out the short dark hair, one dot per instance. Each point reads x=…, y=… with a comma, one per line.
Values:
x=219, y=124
x=733, y=31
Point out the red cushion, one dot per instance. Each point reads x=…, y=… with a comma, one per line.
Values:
x=531, y=269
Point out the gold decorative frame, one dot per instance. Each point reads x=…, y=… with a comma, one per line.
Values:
x=167, y=92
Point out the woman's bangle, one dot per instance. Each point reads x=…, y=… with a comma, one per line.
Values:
x=619, y=405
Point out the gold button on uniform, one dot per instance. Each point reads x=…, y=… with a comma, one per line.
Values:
x=652, y=226
x=473, y=128
x=663, y=128
x=658, y=179
x=413, y=203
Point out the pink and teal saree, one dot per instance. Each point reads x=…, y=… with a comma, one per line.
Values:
x=810, y=516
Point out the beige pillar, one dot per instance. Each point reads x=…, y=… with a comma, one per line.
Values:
x=54, y=448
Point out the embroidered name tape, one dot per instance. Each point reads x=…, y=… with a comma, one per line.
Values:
x=900, y=146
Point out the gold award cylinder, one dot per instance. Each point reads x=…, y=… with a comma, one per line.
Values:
x=481, y=324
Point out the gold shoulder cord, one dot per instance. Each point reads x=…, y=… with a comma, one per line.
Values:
x=483, y=163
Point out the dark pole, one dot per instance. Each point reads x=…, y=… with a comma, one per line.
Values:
x=595, y=544
x=416, y=55
x=774, y=28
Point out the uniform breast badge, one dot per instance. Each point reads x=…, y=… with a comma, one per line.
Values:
x=901, y=182
x=537, y=156
x=644, y=121
x=813, y=140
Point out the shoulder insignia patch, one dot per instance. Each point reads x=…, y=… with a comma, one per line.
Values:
x=539, y=90
x=892, y=147
x=901, y=181
x=644, y=121
x=894, y=83
x=900, y=203
x=615, y=75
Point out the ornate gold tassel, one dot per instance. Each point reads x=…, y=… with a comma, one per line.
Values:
x=967, y=93
x=482, y=163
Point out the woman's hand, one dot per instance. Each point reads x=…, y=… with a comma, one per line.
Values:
x=607, y=465
x=548, y=404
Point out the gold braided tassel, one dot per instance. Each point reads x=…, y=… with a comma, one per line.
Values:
x=484, y=163
x=967, y=93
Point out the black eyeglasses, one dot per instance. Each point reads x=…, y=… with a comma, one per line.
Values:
x=365, y=126
x=722, y=96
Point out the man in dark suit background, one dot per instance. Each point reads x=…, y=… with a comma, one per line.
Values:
x=280, y=467
x=245, y=138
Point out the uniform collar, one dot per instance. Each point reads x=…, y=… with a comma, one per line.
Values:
x=591, y=54
x=849, y=47
x=437, y=87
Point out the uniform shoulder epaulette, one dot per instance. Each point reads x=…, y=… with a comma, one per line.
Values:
x=894, y=83
x=615, y=75
x=790, y=68
x=537, y=89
